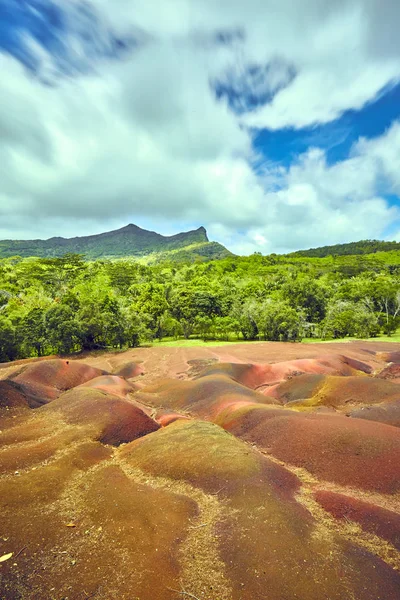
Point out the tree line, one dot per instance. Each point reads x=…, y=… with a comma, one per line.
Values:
x=65, y=305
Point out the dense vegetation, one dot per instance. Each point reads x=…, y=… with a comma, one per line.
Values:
x=127, y=241
x=361, y=247
x=63, y=305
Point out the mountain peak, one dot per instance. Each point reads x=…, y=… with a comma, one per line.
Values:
x=202, y=230
x=129, y=240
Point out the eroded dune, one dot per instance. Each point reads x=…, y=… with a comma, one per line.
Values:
x=253, y=471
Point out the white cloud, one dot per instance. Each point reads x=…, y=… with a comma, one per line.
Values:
x=318, y=204
x=384, y=155
x=345, y=52
x=145, y=138
x=318, y=96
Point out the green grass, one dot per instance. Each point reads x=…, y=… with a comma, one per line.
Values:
x=192, y=342
x=380, y=338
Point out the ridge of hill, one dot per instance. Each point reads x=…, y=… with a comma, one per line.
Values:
x=130, y=240
x=352, y=248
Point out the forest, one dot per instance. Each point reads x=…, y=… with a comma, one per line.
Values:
x=361, y=247
x=66, y=305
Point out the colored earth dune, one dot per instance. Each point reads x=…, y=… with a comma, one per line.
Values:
x=255, y=471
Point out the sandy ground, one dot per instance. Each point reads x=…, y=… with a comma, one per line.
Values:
x=161, y=362
x=201, y=486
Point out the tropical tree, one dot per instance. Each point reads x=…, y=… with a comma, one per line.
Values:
x=346, y=318
x=32, y=329
x=63, y=332
x=8, y=344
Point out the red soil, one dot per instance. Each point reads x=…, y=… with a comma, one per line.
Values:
x=204, y=455
x=105, y=417
x=163, y=362
x=335, y=392
x=389, y=356
x=205, y=397
x=61, y=374
x=166, y=417
x=262, y=532
x=374, y=519
x=44, y=381
x=129, y=370
x=161, y=503
x=391, y=372
x=296, y=388
x=352, y=452
x=112, y=384
x=387, y=412
x=255, y=376
x=14, y=395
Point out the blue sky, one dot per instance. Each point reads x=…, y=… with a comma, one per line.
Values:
x=47, y=23
x=219, y=116
x=336, y=137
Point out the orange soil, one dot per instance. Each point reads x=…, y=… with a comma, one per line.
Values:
x=164, y=473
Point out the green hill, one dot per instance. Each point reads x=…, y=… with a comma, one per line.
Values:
x=199, y=252
x=127, y=241
x=353, y=248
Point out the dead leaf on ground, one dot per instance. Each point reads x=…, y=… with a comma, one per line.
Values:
x=6, y=557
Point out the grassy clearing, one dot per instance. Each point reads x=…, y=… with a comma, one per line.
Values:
x=181, y=343
x=171, y=343
x=380, y=338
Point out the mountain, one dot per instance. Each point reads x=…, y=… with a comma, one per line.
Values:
x=127, y=241
x=353, y=248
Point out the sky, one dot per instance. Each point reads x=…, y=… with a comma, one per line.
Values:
x=275, y=125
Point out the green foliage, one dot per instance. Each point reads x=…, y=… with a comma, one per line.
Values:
x=245, y=314
x=169, y=327
x=64, y=305
x=389, y=324
x=353, y=248
x=8, y=344
x=63, y=329
x=33, y=332
x=306, y=294
x=128, y=241
x=277, y=320
x=346, y=318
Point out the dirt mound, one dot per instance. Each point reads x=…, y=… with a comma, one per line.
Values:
x=374, y=519
x=161, y=362
x=104, y=417
x=256, y=376
x=391, y=372
x=196, y=484
x=61, y=374
x=387, y=412
x=166, y=417
x=44, y=381
x=334, y=448
x=112, y=384
x=128, y=369
x=90, y=510
x=341, y=393
x=205, y=396
x=301, y=387
x=250, y=500
x=389, y=357
x=15, y=395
